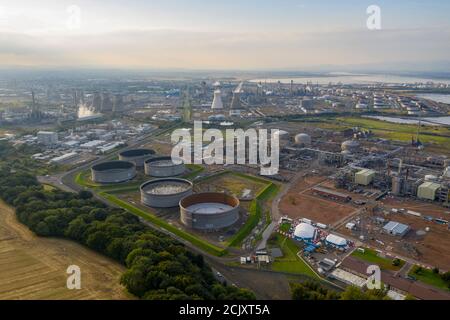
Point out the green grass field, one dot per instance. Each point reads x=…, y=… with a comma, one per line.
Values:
x=290, y=262
x=429, y=277
x=371, y=256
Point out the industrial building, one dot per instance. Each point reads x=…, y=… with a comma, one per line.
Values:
x=164, y=167
x=350, y=146
x=338, y=196
x=364, y=177
x=305, y=232
x=209, y=210
x=396, y=228
x=47, y=137
x=137, y=156
x=165, y=193
x=428, y=190
x=113, y=172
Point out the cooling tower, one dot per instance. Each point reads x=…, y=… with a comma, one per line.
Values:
x=217, y=102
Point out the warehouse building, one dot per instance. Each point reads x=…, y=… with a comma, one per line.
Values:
x=428, y=190
x=396, y=228
x=364, y=177
x=334, y=195
x=47, y=137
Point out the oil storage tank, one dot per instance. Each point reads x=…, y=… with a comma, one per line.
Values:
x=138, y=156
x=113, y=172
x=209, y=211
x=164, y=167
x=165, y=193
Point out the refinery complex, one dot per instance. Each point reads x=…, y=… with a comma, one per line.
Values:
x=363, y=172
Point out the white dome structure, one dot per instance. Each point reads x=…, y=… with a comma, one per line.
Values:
x=282, y=135
x=303, y=139
x=336, y=241
x=305, y=232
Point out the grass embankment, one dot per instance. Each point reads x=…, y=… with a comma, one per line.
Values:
x=255, y=214
x=372, y=256
x=195, y=170
x=214, y=250
x=290, y=262
x=429, y=277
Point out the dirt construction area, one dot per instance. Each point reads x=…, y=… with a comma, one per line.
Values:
x=300, y=202
x=32, y=267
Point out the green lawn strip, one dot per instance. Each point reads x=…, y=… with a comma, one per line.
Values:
x=161, y=223
x=81, y=179
x=285, y=227
x=255, y=212
x=290, y=262
x=370, y=255
x=195, y=171
x=429, y=277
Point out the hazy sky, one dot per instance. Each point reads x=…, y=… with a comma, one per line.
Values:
x=231, y=34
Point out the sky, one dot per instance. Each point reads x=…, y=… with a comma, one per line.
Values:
x=225, y=35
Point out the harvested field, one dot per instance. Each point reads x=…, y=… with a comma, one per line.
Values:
x=299, y=202
x=35, y=268
x=424, y=208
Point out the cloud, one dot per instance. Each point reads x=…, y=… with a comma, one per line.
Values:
x=224, y=50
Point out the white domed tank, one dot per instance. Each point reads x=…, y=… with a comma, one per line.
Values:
x=350, y=146
x=282, y=135
x=303, y=139
x=305, y=232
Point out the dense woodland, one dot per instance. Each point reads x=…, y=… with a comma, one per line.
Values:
x=158, y=267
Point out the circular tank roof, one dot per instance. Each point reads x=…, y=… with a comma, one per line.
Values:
x=167, y=186
x=209, y=203
x=164, y=161
x=110, y=165
x=304, y=231
x=137, y=152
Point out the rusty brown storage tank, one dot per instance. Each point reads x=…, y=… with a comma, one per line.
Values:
x=209, y=210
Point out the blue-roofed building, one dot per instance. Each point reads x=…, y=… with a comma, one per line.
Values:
x=396, y=228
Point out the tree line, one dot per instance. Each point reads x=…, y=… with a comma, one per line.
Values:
x=158, y=267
